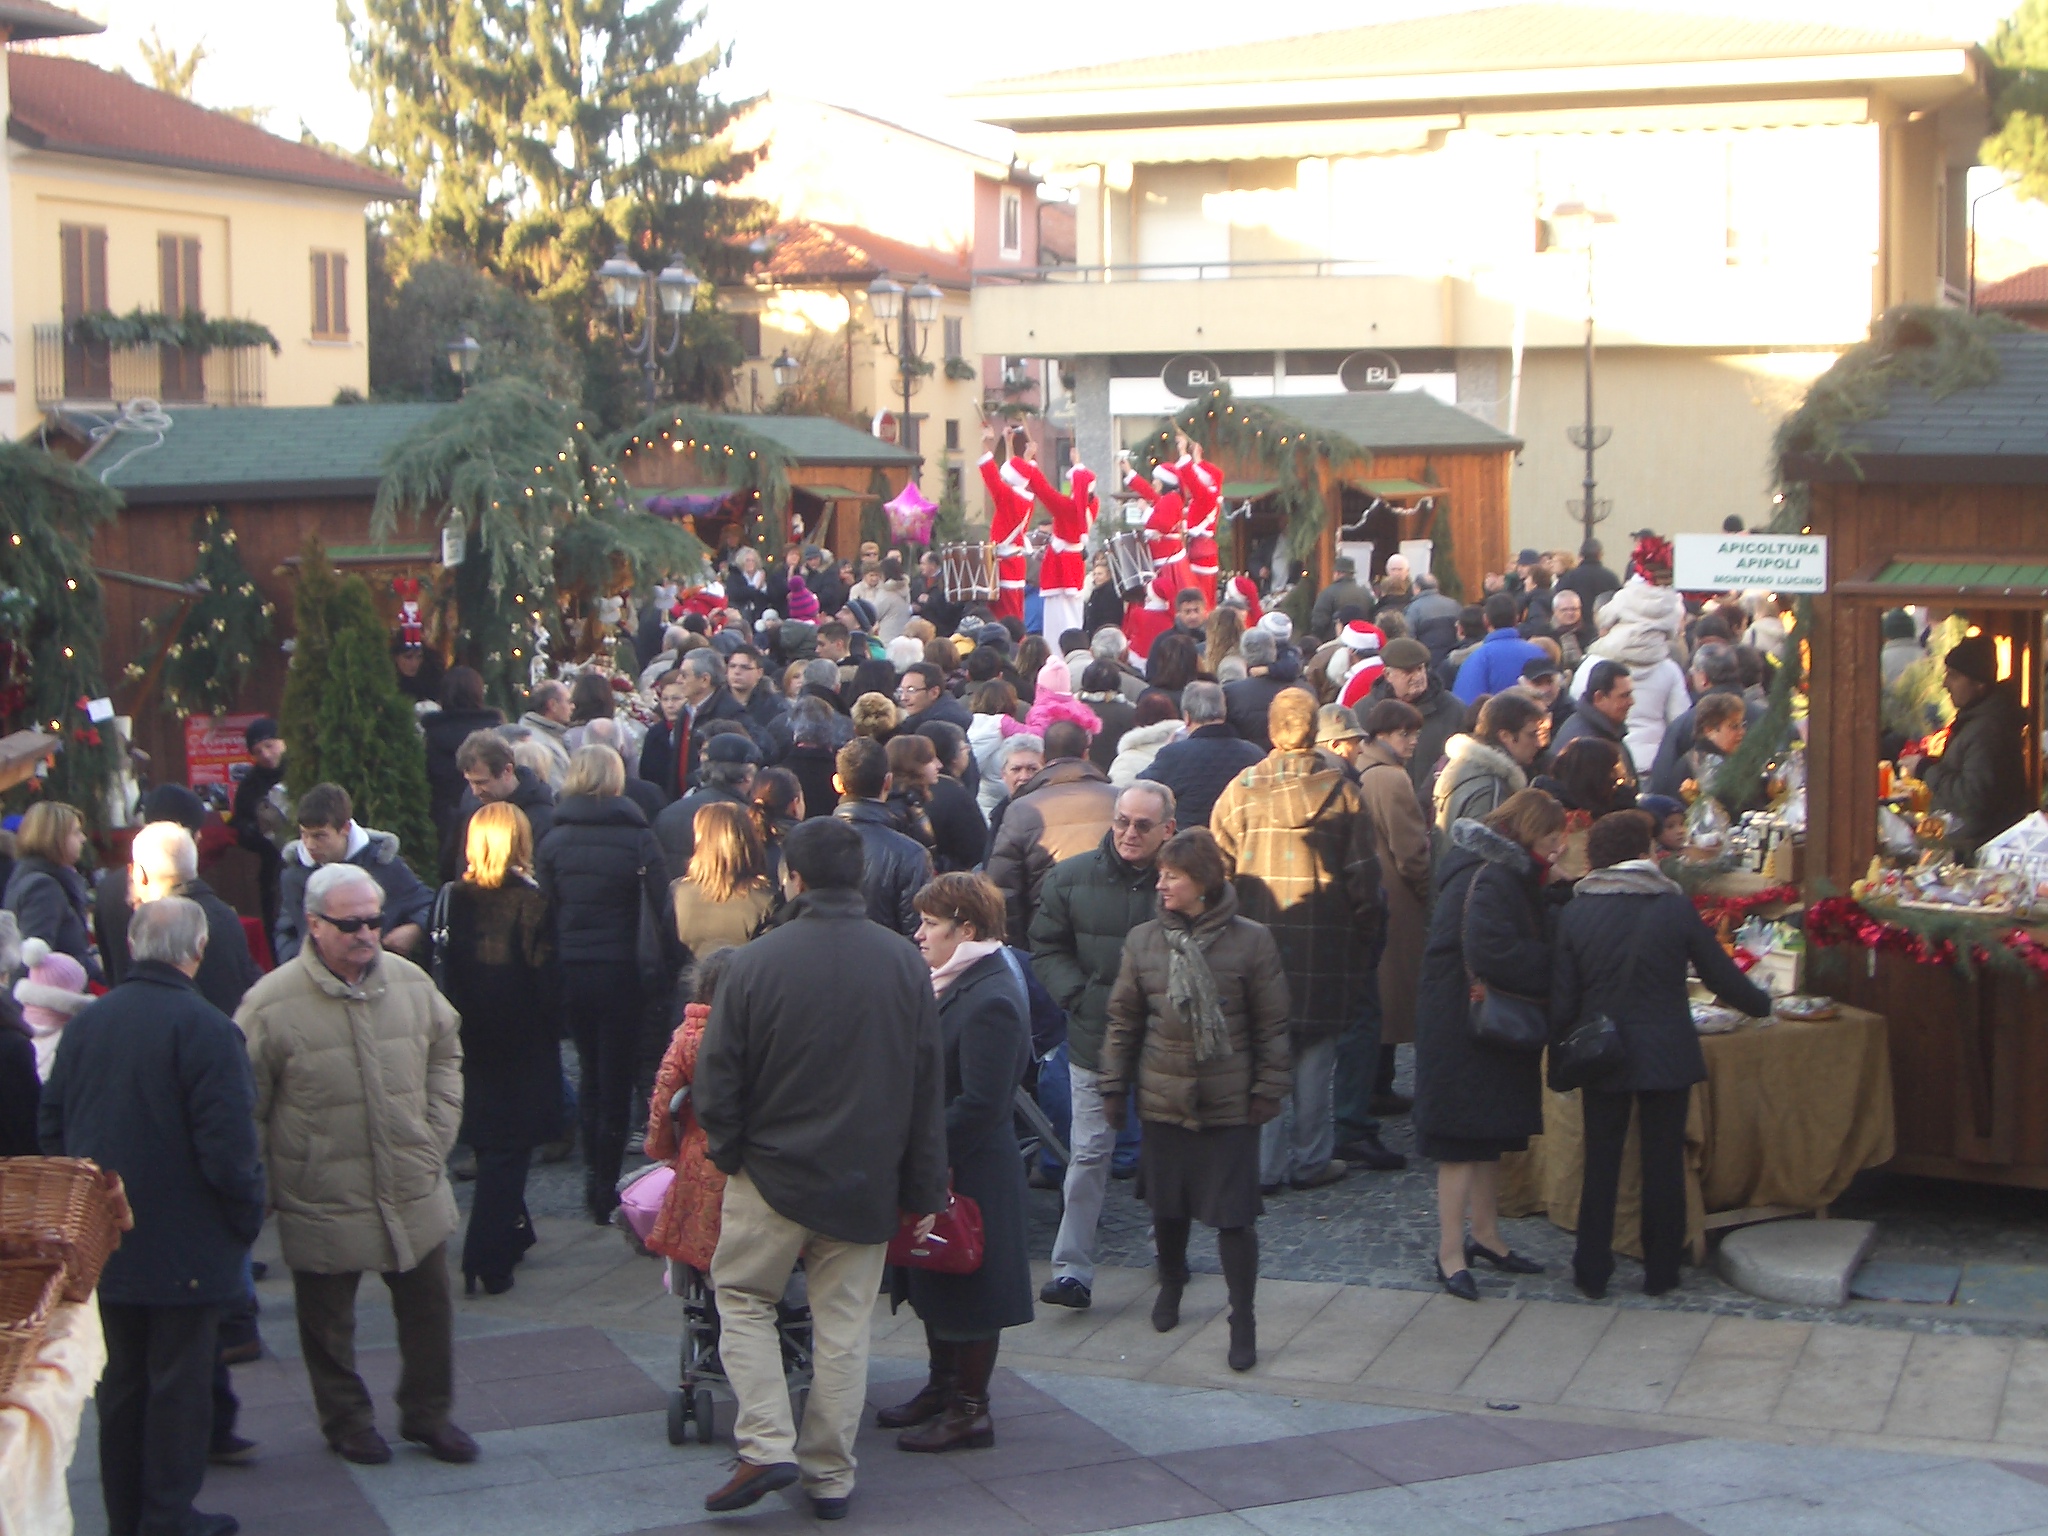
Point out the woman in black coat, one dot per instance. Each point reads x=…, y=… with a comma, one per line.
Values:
x=1622, y=948
x=499, y=966
x=462, y=711
x=986, y=1025
x=601, y=870
x=45, y=891
x=1472, y=1101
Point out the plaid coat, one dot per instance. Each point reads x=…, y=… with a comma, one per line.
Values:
x=1299, y=845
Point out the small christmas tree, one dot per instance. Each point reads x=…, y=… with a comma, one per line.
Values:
x=215, y=646
x=306, y=683
x=370, y=744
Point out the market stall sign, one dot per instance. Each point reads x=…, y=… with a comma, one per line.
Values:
x=1728, y=562
x=215, y=748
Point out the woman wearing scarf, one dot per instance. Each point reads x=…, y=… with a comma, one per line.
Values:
x=985, y=1023
x=1198, y=1023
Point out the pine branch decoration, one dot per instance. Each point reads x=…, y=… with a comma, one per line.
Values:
x=212, y=651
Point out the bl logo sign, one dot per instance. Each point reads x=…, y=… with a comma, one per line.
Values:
x=1190, y=376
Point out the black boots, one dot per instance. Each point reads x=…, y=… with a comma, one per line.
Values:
x=931, y=1400
x=1238, y=1248
x=963, y=1423
x=1166, y=1305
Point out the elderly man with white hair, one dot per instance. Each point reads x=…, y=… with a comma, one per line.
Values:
x=358, y=1097
x=1112, y=645
x=164, y=861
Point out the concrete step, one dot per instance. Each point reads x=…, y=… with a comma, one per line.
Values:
x=1799, y=1262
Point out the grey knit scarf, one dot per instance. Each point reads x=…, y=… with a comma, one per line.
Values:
x=1192, y=987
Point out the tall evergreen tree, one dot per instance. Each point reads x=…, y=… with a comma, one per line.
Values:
x=370, y=743
x=2019, y=101
x=298, y=713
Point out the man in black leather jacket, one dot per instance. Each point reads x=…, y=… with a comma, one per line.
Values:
x=897, y=866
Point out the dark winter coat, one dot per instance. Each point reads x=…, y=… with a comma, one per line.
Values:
x=1668, y=772
x=1592, y=581
x=658, y=752
x=1587, y=721
x=1197, y=767
x=959, y=830
x=1149, y=1046
x=1060, y=811
x=676, y=827
x=152, y=1082
x=225, y=972
x=1475, y=780
x=249, y=816
x=985, y=1030
x=407, y=899
x=50, y=902
x=1491, y=916
x=1623, y=943
x=597, y=868
x=1443, y=716
x=1344, y=592
x=945, y=707
x=20, y=1086
x=502, y=980
x=1979, y=781
x=446, y=730
x=1086, y=911
x=1116, y=714
x=814, y=768
x=896, y=868
x=821, y=1073
x=1246, y=704
x=1299, y=845
x=766, y=715
x=532, y=797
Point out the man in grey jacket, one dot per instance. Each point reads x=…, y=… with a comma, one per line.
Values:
x=1061, y=811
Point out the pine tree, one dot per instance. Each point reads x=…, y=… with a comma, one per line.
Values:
x=214, y=648
x=2019, y=99
x=370, y=743
x=306, y=681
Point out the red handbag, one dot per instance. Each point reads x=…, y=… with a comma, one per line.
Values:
x=955, y=1245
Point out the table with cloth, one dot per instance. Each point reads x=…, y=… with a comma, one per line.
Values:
x=1790, y=1112
x=39, y=1419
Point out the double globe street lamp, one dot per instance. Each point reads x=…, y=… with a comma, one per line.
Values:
x=910, y=316
x=639, y=297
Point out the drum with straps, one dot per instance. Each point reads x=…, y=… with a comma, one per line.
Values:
x=969, y=572
x=1130, y=562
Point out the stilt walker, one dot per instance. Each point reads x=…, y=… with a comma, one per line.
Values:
x=1151, y=616
x=1202, y=485
x=1064, y=567
x=1012, y=509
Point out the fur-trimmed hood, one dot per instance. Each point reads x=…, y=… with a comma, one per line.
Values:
x=1477, y=837
x=1465, y=756
x=378, y=848
x=1632, y=877
x=1639, y=602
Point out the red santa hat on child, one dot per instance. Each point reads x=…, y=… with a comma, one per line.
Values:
x=1356, y=664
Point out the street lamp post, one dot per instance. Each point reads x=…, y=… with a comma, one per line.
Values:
x=910, y=316
x=639, y=296
x=1575, y=223
x=462, y=356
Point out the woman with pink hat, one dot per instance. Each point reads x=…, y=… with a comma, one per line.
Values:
x=51, y=995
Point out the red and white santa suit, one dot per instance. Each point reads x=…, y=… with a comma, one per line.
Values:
x=1363, y=643
x=1063, y=568
x=1150, y=616
x=1012, y=510
x=1202, y=485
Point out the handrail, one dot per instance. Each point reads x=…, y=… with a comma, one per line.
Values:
x=1203, y=271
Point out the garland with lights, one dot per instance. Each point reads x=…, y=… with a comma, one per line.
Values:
x=52, y=615
x=214, y=647
x=721, y=452
x=545, y=519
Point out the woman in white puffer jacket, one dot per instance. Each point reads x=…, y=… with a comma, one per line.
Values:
x=1641, y=626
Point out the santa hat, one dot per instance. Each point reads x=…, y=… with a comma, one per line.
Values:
x=1013, y=477
x=54, y=988
x=1165, y=478
x=1243, y=592
x=1356, y=663
x=1362, y=637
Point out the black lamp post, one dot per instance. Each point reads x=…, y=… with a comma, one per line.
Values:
x=912, y=323
x=1577, y=221
x=640, y=297
x=786, y=368
x=462, y=356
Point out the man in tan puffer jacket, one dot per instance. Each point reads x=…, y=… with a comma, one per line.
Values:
x=358, y=1096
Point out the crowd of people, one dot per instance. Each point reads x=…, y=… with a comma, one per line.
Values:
x=814, y=894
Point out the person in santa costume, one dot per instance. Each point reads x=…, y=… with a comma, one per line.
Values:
x=1063, y=569
x=1243, y=593
x=1202, y=485
x=1150, y=616
x=1011, y=501
x=1357, y=664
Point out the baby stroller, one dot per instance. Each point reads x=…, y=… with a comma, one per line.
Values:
x=696, y=1399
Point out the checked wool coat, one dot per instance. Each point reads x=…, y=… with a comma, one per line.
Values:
x=1300, y=848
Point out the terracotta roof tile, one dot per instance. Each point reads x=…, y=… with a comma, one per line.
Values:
x=73, y=107
x=803, y=249
x=2023, y=290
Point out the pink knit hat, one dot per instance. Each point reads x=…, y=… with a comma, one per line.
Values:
x=803, y=602
x=54, y=988
x=1054, y=677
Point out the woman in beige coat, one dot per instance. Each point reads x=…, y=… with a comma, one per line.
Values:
x=1391, y=731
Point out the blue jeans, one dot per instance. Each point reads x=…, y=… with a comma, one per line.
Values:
x=1055, y=1097
x=1358, y=1069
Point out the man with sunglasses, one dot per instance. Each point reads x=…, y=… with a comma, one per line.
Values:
x=358, y=1096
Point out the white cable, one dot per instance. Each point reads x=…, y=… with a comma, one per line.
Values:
x=138, y=416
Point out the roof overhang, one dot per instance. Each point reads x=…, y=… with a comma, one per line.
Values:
x=27, y=21
x=1919, y=468
x=390, y=191
x=249, y=490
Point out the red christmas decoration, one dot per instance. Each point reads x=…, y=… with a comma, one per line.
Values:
x=1734, y=908
x=412, y=628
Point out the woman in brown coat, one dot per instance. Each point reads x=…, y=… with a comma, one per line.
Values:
x=1392, y=729
x=1198, y=1022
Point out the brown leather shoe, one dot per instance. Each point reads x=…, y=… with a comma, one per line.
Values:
x=750, y=1484
x=366, y=1448
x=964, y=1426
x=444, y=1444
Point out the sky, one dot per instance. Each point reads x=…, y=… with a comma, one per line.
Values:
x=288, y=55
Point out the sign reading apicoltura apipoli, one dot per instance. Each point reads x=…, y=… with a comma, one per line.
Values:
x=1727, y=562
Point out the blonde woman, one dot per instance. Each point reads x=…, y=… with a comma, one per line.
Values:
x=46, y=893
x=500, y=975
x=725, y=897
x=1220, y=658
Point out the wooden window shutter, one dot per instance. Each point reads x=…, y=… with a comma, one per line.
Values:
x=85, y=269
x=320, y=325
x=188, y=250
x=337, y=304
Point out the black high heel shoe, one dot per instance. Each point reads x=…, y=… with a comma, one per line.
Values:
x=494, y=1285
x=1511, y=1262
x=1460, y=1285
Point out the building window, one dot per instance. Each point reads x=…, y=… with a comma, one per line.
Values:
x=1013, y=224
x=330, y=296
x=953, y=434
x=746, y=329
x=87, y=369
x=183, y=368
x=955, y=339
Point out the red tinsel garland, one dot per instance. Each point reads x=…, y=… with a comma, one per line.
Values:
x=1840, y=920
x=1735, y=908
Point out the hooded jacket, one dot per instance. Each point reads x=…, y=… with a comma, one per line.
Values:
x=406, y=898
x=1475, y=780
x=1139, y=750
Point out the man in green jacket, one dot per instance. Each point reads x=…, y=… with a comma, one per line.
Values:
x=1086, y=909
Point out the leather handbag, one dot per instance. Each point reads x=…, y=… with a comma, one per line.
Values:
x=1595, y=1049
x=955, y=1246
x=1504, y=1021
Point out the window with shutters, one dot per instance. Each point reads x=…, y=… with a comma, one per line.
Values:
x=955, y=340
x=87, y=373
x=330, y=296
x=747, y=330
x=183, y=368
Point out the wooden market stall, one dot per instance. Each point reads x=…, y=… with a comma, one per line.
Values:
x=1936, y=500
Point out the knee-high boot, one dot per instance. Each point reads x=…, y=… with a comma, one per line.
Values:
x=965, y=1424
x=1170, y=1239
x=937, y=1391
x=1238, y=1248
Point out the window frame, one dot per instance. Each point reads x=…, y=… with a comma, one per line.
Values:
x=328, y=274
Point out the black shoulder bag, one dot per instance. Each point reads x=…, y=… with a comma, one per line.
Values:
x=1502, y=1021
x=1594, y=1050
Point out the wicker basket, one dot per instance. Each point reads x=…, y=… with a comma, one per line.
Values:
x=61, y=1199
x=28, y=1295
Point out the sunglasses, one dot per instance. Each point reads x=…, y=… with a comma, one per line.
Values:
x=352, y=924
x=1138, y=824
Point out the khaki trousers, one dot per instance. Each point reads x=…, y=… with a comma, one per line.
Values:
x=757, y=1249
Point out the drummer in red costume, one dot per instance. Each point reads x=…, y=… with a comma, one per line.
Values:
x=1151, y=616
x=1063, y=569
x=1012, y=510
x=1202, y=485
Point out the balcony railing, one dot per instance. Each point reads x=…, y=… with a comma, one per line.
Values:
x=1209, y=271
x=72, y=371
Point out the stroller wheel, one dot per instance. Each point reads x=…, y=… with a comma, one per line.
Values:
x=678, y=1417
x=701, y=1410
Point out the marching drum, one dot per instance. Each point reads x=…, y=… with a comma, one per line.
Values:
x=969, y=571
x=1130, y=562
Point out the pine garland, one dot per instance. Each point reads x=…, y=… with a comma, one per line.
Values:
x=1255, y=433
x=191, y=330
x=52, y=612
x=723, y=452
x=214, y=648
x=370, y=744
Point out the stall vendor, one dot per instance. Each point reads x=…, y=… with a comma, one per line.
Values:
x=1980, y=780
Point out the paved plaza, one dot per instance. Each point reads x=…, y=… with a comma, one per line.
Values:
x=1372, y=1410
